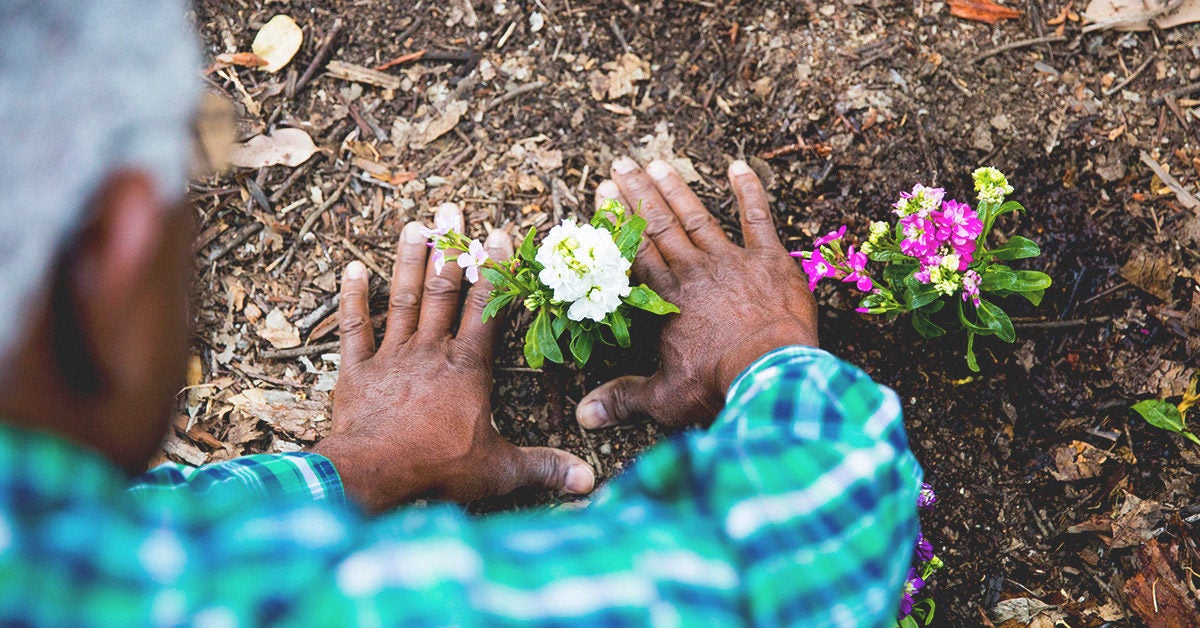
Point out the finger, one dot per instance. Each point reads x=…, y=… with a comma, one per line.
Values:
x=354, y=315
x=618, y=400
x=439, y=296
x=404, y=303
x=648, y=264
x=662, y=226
x=702, y=228
x=757, y=227
x=476, y=338
x=551, y=468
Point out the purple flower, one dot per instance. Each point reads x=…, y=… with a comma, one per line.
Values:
x=924, y=549
x=472, y=259
x=912, y=585
x=957, y=223
x=926, y=498
x=818, y=268
x=970, y=287
x=830, y=237
x=920, y=236
x=439, y=260
x=858, y=263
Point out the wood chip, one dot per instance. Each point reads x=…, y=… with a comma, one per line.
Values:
x=360, y=74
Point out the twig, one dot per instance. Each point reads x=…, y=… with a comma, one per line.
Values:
x=294, y=177
x=1075, y=322
x=1104, y=293
x=1187, y=199
x=1015, y=45
x=362, y=257
x=319, y=58
x=359, y=74
x=513, y=93
x=1178, y=92
x=1129, y=79
x=243, y=234
x=363, y=127
x=318, y=314
x=288, y=354
x=404, y=58
x=612, y=23
x=312, y=217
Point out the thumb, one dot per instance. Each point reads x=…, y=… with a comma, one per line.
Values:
x=618, y=400
x=552, y=468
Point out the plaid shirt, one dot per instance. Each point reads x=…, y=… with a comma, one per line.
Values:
x=796, y=507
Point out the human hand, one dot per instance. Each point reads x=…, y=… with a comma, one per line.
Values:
x=736, y=303
x=413, y=418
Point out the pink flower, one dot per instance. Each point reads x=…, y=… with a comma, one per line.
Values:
x=857, y=261
x=919, y=236
x=970, y=287
x=472, y=260
x=957, y=223
x=443, y=222
x=439, y=260
x=920, y=201
x=818, y=268
x=829, y=237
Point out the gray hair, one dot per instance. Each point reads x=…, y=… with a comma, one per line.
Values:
x=86, y=88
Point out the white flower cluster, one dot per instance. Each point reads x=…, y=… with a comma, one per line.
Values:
x=584, y=267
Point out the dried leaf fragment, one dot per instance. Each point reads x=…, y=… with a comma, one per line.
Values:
x=982, y=11
x=1077, y=461
x=277, y=330
x=1134, y=524
x=277, y=42
x=289, y=147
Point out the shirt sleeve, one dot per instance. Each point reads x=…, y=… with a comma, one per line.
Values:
x=797, y=507
x=299, y=475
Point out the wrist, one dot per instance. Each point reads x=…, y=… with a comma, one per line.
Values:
x=760, y=343
x=373, y=485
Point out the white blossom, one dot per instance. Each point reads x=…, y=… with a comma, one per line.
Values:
x=583, y=267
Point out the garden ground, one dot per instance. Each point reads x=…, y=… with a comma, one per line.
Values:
x=1056, y=502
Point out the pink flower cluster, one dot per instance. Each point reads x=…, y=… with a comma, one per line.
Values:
x=932, y=238
x=850, y=268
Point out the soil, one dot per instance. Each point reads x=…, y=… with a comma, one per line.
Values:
x=1038, y=460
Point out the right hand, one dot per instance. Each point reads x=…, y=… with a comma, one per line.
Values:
x=736, y=303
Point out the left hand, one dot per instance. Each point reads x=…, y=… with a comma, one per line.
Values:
x=413, y=418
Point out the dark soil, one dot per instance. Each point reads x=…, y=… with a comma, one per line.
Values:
x=840, y=107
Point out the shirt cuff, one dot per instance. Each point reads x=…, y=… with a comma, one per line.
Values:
x=297, y=475
x=792, y=354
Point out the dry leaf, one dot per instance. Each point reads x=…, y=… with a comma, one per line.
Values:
x=277, y=330
x=185, y=451
x=1134, y=524
x=982, y=11
x=621, y=79
x=1077, y=461
x=281, y=409
x=1157, y=594
x=1150, y=272
x=277, y=42
x=244, y=59
x=661, y=145
x=289, y=147
x=434, y=125
x=1022, y=610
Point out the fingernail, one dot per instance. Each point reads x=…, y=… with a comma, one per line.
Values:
x=592, y=414
x=412, y=233
x=607, y=189
x=740, y=168
x=355, y=271
x=580, y=479
x=659, y=169
x=624, y=165
x=500, y=240
x=450, y=211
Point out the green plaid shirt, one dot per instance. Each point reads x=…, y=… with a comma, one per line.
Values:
x=797, y=507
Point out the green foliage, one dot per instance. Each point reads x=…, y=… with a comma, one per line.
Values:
x=1167, y=416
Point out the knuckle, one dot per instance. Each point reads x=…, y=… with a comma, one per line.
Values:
x=412, y=254
x=698, y=222
x=440, y=286
x=548, y=468
x=403, y=300
x=353, y=323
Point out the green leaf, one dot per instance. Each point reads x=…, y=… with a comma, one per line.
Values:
x=620, y=328
x=1190, y=436
x=997, y=277
x=559, y=324
x=895, y=274
x=890, y=257
x=920, y=294
x=1009, y=206
x=543, y=328
x=497, y=302
x=1017, y=247
x=909, y=622
x=533, y=352
x=972, y=363
x=581, y=346
x=495, y=277
x=643, y=298
x=528, y=248
x=1161, y=414
x=1034, y=296
x=926, y=327
x=996, y=320
x=630, y=237
x=1030, y=281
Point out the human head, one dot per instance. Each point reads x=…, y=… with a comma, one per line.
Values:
x=96, y=99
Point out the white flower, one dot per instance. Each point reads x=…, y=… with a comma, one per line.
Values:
x=583, y=266
x=472, y=260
